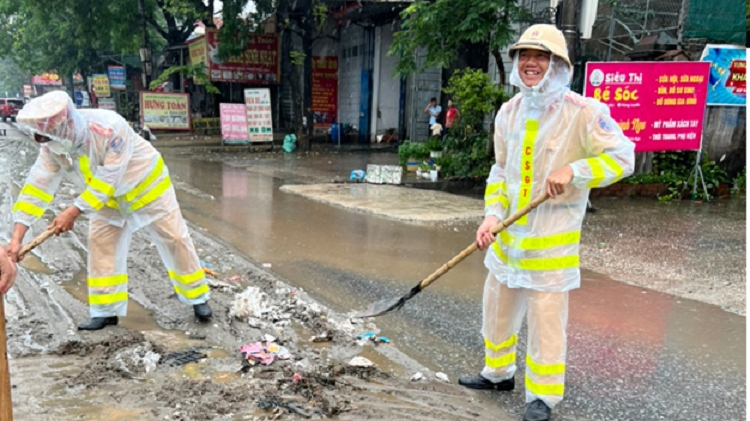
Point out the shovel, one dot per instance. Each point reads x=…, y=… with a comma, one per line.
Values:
x=6, y=404
x=392, y=304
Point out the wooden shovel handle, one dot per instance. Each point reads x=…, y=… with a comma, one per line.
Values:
x=6, y=403
x=474, y=246
x=36, y=242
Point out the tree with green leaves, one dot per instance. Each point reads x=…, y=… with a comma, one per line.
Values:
x=12, y=78
x=441, y=27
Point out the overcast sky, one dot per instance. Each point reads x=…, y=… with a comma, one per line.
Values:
x=218, y=4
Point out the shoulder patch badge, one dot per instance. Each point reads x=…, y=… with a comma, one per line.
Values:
x=604, y=125
x=116, y=145
x=100, y=130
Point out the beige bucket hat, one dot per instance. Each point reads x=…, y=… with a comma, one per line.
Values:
x=544, y=38
x=46, y=114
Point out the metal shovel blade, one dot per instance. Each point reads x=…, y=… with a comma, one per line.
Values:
x=381, y=307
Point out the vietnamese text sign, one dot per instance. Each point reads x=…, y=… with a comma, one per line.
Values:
x=108, y=104
x=165, y=111
x=258, y=109
x=116, y=77
x=233, y=123
x=197, y=50
x=257, y=65
x=100, y=85
x=726, y=81
x=325, y=90
x=659, y=105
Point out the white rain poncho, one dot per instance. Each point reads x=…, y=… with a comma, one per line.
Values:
x=120, y=174
x=539, y=131
x=125, y=187
x=534, y=262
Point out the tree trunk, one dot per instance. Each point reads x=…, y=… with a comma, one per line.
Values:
x=501, y=74
x=644, y=163
x=307, y=44
x=290, y=71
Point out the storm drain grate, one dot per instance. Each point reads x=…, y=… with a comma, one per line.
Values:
x=176, y=359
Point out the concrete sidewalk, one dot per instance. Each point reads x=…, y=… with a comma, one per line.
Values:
x=394, y=202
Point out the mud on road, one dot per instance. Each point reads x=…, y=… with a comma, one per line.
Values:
x=161, y=364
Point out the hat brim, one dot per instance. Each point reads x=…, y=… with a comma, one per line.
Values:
x=536, y=46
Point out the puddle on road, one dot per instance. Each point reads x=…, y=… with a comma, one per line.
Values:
x=342, y=257
x=35, y=264
x=138, y=318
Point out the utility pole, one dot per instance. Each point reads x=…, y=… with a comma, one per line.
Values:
x=570, y=27
x=145, y=51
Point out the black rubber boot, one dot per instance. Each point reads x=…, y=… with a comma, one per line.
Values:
x=97, y=323
x=203, y=312
x=537, y=411
x=480, y=383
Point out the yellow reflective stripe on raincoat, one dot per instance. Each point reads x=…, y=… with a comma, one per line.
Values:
x=92, y=181
x=192, y=293
x=508, y=343
x=500, y=362
x=104, y=299
x=540, y=243
x=152, y=195
x=541, y=389
x=545, y=263
x=89, y=198
x=544, y=369
x=143, y=185
x=189, y=278
x=527, y=167
x=494, y=188
x=614, y=166
x=32, y=210
x=597, y=172
x=497, y=199
x=34, y=191
x=107, y=281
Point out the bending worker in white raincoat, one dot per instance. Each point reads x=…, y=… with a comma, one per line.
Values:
x=125, y=185
x=547, y=138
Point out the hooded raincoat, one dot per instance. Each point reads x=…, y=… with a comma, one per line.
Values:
x=125, y=186
x=534, y=262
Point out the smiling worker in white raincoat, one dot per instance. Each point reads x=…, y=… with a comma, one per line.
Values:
x=125, y=186
x=547, y=138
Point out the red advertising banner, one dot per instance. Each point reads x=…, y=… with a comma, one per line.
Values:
x=325, y=90
x=47, y=78
x=258, y=65
x=660, y=106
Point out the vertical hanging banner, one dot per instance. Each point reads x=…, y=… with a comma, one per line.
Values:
x=259, y=120
x=727, y=80
x=325, y=90
x=234, y=123
x=116, y=77
x=660, y=106
x=100, y=84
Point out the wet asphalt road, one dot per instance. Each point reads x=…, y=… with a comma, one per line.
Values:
x=634, y=354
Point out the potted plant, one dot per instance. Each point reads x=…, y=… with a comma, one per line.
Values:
x=411, y=153
x=433, y=173
x=435, y=146
x=423, y=170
